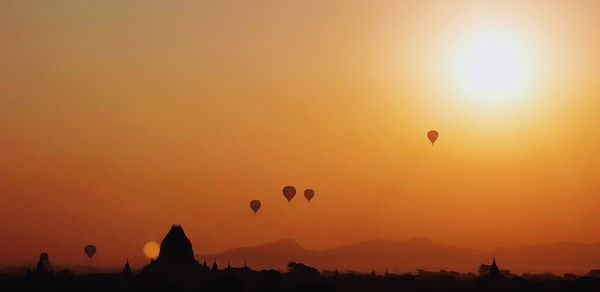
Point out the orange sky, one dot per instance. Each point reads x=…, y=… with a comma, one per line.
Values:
x=119, y=119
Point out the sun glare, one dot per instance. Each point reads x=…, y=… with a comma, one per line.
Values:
x=491, y=68
x=151, y=250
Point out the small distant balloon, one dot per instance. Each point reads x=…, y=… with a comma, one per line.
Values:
x=255, y=205
x=289, y=192
x=433, y=135
x=90, y=250
x=309, y=194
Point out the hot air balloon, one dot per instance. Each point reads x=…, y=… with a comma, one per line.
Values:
x=255, y=205
x=289, y=192
x=90, y=250
x=309, y=194
x=433, y=135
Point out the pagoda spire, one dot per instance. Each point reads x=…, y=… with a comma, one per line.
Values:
x=127, y=268
x=214, y=267
x=494, y=271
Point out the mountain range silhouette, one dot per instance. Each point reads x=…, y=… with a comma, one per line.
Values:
x=177, y=269
x=418, y=253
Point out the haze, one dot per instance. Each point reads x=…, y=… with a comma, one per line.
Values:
x=120, y=119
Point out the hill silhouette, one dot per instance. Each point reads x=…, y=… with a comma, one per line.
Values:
x=177, y=269
x=418, y=253
x=272, y=255
x=399, y=256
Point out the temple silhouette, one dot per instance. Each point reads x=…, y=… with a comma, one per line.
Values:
x=492, y=271
x=127, y=269
x=176, y=269
x=176, y=256
x=43, y=267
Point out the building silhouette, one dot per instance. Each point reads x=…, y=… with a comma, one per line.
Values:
x=127, y=268
x=43, y=267
x=176, y=255
x=492, y=270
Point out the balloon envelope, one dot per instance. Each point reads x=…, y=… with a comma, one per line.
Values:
x=432, y=135
x=309, y=194
x=90, y=250
x=289, y=192
x=255, y=205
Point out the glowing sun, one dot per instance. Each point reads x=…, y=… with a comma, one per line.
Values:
x=492, y=68
x=151, y=250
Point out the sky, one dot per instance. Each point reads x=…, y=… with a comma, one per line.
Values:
x=120, y=118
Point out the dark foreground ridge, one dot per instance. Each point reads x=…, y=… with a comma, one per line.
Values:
x=176, y=269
